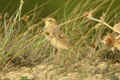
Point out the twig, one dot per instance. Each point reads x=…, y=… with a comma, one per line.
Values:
x=89, y=16
x=71, y=20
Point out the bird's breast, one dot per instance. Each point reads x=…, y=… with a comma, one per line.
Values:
x=58, y=44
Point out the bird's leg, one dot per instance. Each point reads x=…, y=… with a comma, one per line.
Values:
x=57, y=56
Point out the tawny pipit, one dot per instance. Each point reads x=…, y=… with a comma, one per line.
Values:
x=55, y=36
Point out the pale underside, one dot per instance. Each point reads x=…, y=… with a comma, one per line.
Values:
x=57, y=37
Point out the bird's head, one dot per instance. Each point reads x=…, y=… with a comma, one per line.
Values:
x=49, y=21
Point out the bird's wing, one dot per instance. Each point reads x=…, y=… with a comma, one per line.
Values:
x=60, y=36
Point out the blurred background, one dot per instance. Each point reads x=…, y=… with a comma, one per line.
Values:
x=11, y=5
x=50, y=6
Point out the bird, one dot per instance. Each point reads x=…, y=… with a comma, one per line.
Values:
x=54, y=35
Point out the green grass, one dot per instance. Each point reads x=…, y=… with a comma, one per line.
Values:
x=22, y=42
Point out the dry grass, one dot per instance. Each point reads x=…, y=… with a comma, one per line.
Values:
x=25, y=52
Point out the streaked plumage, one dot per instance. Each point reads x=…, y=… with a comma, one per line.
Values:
x=54, y=35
